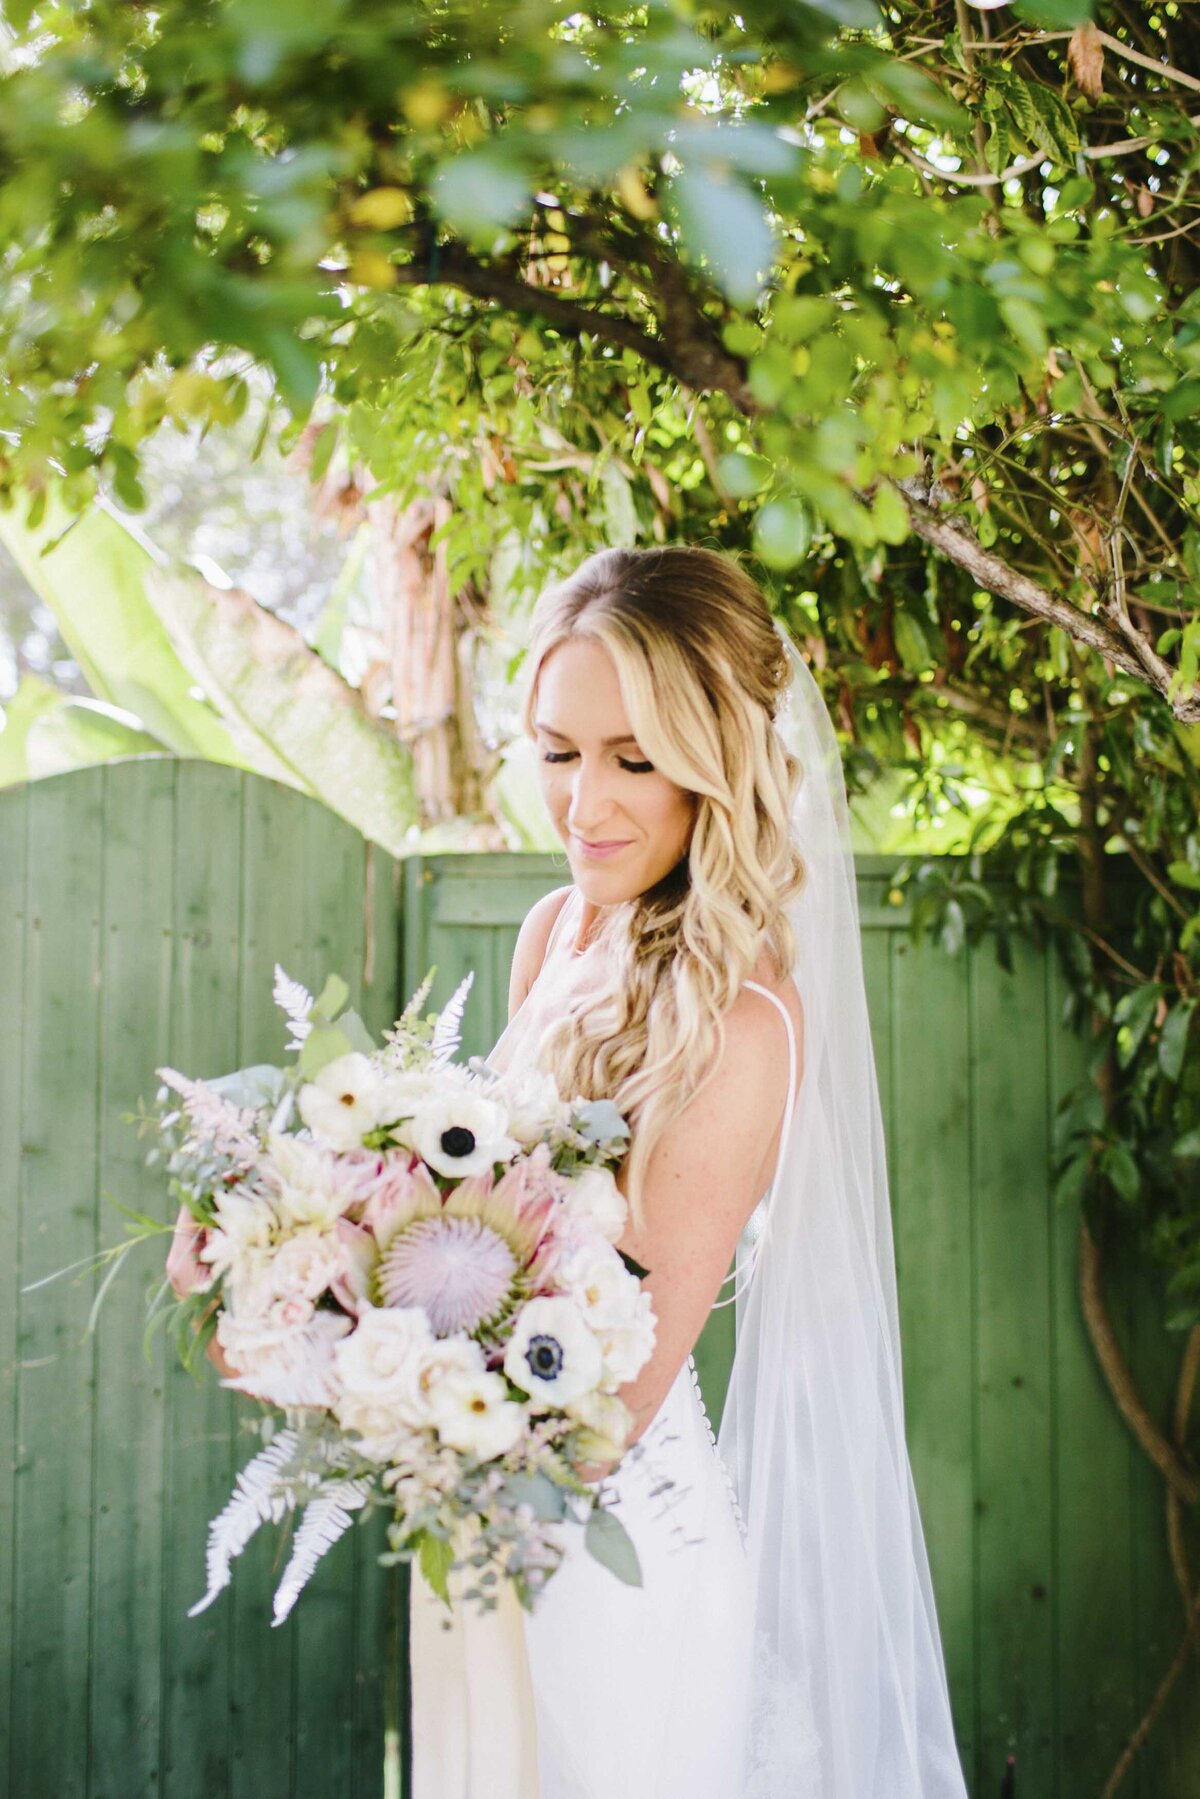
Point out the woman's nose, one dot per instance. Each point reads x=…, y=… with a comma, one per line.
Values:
x=591, y=798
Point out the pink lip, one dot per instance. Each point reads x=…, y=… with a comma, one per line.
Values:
x=600, y=851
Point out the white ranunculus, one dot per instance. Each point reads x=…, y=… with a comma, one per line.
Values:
x=594, y=1195
x=552, y=1354
x=341, y=1103
x=454, y=1355
x=626, y=1348
x=382, y=1359
x=384, y=1436
x=473, y=1413
x=604, y=1289
x=460, y=1134
x=606, y=1423
x=403, y=1090
x=533, y=1105
x=304, y=1265
x=310, y=1188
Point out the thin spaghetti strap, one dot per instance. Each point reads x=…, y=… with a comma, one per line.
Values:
x=790, y=1104
x=785, y=1128
x=552, y=939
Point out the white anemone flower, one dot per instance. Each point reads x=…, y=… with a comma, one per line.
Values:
x=473, y=1414
x=595, y=1196
x=341, y=1103
x=461, y=1134
x=552, y=1354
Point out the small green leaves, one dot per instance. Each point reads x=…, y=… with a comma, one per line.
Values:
x=782, y=533
x=606, y=1538
x=724, y=226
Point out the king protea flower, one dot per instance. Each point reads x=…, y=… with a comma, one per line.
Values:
x=468, y=1256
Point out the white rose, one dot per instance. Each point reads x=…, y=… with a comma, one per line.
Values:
x=473, y=1414
x=382, y=1359
x=552, y=1355
x=462, y=1134
x=304, y=1265
x=341, y=1104
x=534, y=1107
x=594, y=1195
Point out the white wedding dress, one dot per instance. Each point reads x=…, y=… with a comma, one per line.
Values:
x=603, y=1691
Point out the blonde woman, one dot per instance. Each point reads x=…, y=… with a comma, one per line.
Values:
x=703, y=971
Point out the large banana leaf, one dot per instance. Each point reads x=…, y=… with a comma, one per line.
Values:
x=46, y=732
x=146, y=638
x=275, y=692
x=91, y=570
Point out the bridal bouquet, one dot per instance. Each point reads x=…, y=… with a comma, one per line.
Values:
x=413, y=1261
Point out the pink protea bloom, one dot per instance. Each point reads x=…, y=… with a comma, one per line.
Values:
x=356, y=1258
x=403, y=1191
x=459, y=1269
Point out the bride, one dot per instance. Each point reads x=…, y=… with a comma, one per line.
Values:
x=703, y=970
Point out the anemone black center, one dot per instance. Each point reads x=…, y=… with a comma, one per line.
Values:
x=545, y=1357
x=458, y=1141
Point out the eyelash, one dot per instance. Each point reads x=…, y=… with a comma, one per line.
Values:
x=633, y=768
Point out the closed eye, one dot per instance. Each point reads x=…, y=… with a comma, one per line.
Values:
x=633, y=768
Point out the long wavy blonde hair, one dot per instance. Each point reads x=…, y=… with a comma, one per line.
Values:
x=701, y=670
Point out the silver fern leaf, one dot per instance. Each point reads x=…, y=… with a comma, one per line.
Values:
x=449, y=1025
x=327, y=1516
x=258, y=1497
x=296, y=1001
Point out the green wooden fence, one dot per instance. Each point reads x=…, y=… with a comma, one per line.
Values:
x=142, y=908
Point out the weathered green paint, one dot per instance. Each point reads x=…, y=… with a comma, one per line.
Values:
x=142, y=907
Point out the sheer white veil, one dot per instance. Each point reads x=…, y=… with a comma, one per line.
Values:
x=849, y=1697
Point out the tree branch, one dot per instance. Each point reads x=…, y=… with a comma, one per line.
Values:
x=994, y=574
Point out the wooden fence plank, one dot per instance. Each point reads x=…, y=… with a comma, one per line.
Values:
x=13, y=934
x=1014, y=1499
x=201, y=1451
x=127, y=1491
x=56, y=1404
x=931, y=1184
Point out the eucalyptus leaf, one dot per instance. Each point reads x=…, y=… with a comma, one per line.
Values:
x=606, y=1538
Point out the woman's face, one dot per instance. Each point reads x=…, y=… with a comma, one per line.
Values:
x=623, y=823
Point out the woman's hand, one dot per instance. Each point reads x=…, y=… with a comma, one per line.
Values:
x=185, y=1270
x=187, y=1273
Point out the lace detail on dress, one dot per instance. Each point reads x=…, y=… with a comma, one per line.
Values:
x=784, y=1742
x=721, y=1462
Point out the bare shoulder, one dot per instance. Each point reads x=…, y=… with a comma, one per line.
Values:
x=532, y=938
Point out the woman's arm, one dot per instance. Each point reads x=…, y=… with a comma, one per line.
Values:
x=705, y=1176
x=532, y=939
